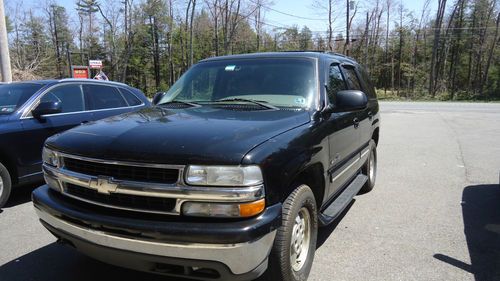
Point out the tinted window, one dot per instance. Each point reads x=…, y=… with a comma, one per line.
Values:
x=70, y=97
x=103, y=97
x=12, y=96
x=352, y=78
x=130, y=98
x=287, y=82
x=335, y=82
x=367, y=84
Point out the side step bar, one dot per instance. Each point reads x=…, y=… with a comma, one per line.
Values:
x=342, y=201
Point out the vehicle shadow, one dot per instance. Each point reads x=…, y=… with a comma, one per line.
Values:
x=481, y=214
x=56, y=262
x=21, y=194
x=325, y=232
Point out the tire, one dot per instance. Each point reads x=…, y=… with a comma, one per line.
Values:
x=299, y=213
x=5, y=185
x=370, y=168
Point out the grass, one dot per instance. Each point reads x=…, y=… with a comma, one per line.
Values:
x=460, y=96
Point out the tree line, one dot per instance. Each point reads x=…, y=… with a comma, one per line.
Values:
x=448, y=53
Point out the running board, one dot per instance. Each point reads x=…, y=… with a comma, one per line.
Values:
x=342, y=201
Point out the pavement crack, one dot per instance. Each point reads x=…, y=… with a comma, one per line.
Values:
x=459, y=145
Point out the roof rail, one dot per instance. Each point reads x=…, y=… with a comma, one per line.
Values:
x=319, y=51
x=91, y=80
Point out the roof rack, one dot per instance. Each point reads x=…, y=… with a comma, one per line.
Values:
x=91, y=80
x=319, y=51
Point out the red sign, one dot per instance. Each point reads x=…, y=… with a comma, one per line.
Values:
x=80, y=72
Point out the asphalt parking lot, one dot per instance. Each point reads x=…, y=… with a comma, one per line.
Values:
x=433, y=215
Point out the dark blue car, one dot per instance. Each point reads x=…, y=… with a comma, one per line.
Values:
x=32, y=111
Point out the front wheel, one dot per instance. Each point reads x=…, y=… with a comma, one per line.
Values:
x=370, y=168
x=5, y=185
x=292, y=254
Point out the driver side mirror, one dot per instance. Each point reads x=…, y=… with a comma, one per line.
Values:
x=157, y=98
x=46, y=107
x=348, y=100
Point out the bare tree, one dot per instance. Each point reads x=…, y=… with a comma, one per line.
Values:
x=437, y=37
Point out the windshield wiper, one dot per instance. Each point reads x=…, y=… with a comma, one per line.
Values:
x=257, y=102
x=192, y=104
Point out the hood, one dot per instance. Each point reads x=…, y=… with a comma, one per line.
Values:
x=203, y=135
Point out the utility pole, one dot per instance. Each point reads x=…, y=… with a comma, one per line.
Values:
x=4, y=48
x=347, y=29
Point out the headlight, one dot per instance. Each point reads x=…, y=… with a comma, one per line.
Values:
x=224, y=175
x=50, y=157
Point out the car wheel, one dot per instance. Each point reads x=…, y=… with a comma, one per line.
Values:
x=5, y=185
x=292, y=254
x=370, y=168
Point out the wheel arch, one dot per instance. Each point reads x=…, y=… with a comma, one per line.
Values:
x=375, y=135
x=312, y=176
x=9, y=163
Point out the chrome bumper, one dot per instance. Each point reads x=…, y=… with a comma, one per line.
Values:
x=240, y=258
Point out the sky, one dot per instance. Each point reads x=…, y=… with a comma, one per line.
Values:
x=282, y=13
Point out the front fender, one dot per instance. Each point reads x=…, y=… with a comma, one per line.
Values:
x=283, y=157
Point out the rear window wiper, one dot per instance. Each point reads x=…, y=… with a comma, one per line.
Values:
x=257, y=102
x=192, y=104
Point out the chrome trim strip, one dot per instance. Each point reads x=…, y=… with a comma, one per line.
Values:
x=115, y=162
x=173, y=212
x=240, y=258
x=365, y=152
x=346, y=168
x=30, y=175
x=24, y=117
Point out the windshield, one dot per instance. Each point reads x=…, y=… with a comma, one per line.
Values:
x=282, y=82
x=12, y=96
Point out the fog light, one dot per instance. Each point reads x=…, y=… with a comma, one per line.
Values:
x=206, y=209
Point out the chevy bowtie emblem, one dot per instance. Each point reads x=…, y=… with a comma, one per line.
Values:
x=103, y=184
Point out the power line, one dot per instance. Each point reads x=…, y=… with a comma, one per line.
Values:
x=286, y=14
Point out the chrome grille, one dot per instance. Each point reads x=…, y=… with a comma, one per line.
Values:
x=122, y=172
x=122, y=201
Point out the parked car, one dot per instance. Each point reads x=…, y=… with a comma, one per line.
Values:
x=32, y=111
x=227, y=178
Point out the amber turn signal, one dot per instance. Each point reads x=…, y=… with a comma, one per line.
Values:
x=252, y=208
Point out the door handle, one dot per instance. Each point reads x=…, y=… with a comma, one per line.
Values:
x=356, y=122
x=83, y=122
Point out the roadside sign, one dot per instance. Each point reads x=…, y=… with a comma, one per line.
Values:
x=95, y=64
x=79, y=71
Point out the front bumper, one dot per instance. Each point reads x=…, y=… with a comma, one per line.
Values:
x=235, y=250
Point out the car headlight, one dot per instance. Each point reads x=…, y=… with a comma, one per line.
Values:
x=50, y=157
x=224, y=175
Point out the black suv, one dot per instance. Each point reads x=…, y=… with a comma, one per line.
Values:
x=230, y=174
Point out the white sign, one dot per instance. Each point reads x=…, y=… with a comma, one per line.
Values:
x=95, y=64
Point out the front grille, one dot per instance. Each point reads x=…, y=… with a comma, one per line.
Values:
x=145, y=203
x=122, y=172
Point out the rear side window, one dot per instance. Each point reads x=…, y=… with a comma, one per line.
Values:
x=131, y=99
x=335, y=82
x=352, y=79
x=103, y=97
x=70, y=97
